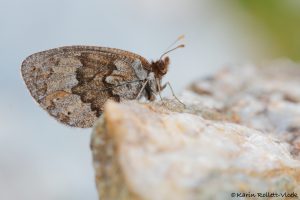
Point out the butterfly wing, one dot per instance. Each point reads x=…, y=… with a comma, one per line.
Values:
x=73, y=83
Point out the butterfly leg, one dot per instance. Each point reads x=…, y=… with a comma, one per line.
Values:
x=142, y=89
x=159, y=90
x=168, y=84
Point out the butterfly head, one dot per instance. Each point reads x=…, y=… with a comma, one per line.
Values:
x=160, y=67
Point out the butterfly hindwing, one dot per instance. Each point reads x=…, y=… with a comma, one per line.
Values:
x=71, y=83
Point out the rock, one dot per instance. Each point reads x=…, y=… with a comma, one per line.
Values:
x=233, y=137
x=265, y=98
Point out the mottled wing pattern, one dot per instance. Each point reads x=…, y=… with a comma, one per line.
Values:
x=73, y=83
x=126, y=71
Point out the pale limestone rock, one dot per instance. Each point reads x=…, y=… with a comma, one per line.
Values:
x=265, y=98
x=237, y=133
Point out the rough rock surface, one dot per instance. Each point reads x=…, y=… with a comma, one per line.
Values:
x=239, y=133
x=266, y=98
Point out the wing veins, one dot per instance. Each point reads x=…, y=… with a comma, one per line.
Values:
x=125, y=83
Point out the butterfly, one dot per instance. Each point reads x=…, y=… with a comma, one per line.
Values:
x=72, y=83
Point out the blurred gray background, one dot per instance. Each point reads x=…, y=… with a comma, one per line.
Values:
x=42, y=159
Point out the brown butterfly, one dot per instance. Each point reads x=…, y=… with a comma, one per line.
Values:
x=72, y=83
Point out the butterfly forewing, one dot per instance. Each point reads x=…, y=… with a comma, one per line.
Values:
x=73, y=83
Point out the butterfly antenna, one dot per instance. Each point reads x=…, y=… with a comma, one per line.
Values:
x=168, y=50
x=181, y=37
x=179, y=46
